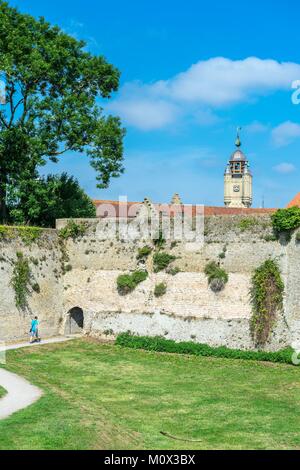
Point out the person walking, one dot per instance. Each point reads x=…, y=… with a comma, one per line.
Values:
x=34, y=330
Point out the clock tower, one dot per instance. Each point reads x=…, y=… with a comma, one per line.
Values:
x=238, y=179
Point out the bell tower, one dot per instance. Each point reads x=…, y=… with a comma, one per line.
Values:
x=238, y=179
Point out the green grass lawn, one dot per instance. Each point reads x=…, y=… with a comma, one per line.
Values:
x=2, y=392
x=107, y=397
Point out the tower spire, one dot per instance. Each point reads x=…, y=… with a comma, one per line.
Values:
x=238, y=142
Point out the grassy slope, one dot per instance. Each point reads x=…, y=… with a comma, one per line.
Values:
x=104, y=396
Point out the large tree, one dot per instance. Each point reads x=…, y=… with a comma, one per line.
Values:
x=54, y=93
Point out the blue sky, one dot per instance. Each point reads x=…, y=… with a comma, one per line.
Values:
x=191, y=73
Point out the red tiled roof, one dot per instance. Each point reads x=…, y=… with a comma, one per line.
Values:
x=295, y=201
x=129, y=209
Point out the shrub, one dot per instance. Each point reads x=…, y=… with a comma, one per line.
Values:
x=160, y=344
x=286, y=220
x=144, y=252
x=29, y=234
x=247, y=223
x=126, y=283
x=161, y=261
x=72, y=230
x=160, y=290
x=217, y=277
x=173, y=271
x=267, y=299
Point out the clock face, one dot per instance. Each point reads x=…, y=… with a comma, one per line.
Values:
x=236, y=188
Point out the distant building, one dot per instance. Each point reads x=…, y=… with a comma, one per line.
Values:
x=238, y=180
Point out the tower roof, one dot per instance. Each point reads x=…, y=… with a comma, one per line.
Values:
x=238, y=155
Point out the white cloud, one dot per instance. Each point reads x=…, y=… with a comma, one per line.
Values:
x=212, y=84
x=285, y=168
x=256, y=128
x=205, y=117
x=220, y=81
x=144, y=113
x=285, y=133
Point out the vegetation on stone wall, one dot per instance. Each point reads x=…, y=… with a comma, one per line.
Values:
x=217, y=276
x=160, y=241
x=21, y=281
x=160, y=289
x=173, y=271
x=72, y=230
x=247, y=223
x=162, y=260
x=267, y=300
x=27, y=234
x=286, y=220
x=222, y=255
x=144, y=252
x=127, y=283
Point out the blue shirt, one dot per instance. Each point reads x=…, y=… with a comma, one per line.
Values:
x=34, y=325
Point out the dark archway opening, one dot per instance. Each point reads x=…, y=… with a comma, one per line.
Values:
x=75, y=321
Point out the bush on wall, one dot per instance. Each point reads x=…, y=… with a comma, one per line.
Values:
x=160, y=290
x=161, y=261
x=72, y=230
x=267, y=300
x=217, y=277
x=286, y=220
x=144, y=252
x=126, y=283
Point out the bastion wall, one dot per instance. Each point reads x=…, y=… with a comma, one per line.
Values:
x=82, y=273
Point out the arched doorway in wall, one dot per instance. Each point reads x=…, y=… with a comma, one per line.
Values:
x=75, y=321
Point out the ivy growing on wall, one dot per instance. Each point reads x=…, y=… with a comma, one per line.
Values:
x=267, y=300
x=21, y=281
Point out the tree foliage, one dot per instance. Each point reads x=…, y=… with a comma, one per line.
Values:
x=286, y=220
x=54, y=93
x=41, y=201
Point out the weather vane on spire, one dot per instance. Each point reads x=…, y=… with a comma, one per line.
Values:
x=238, y=142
